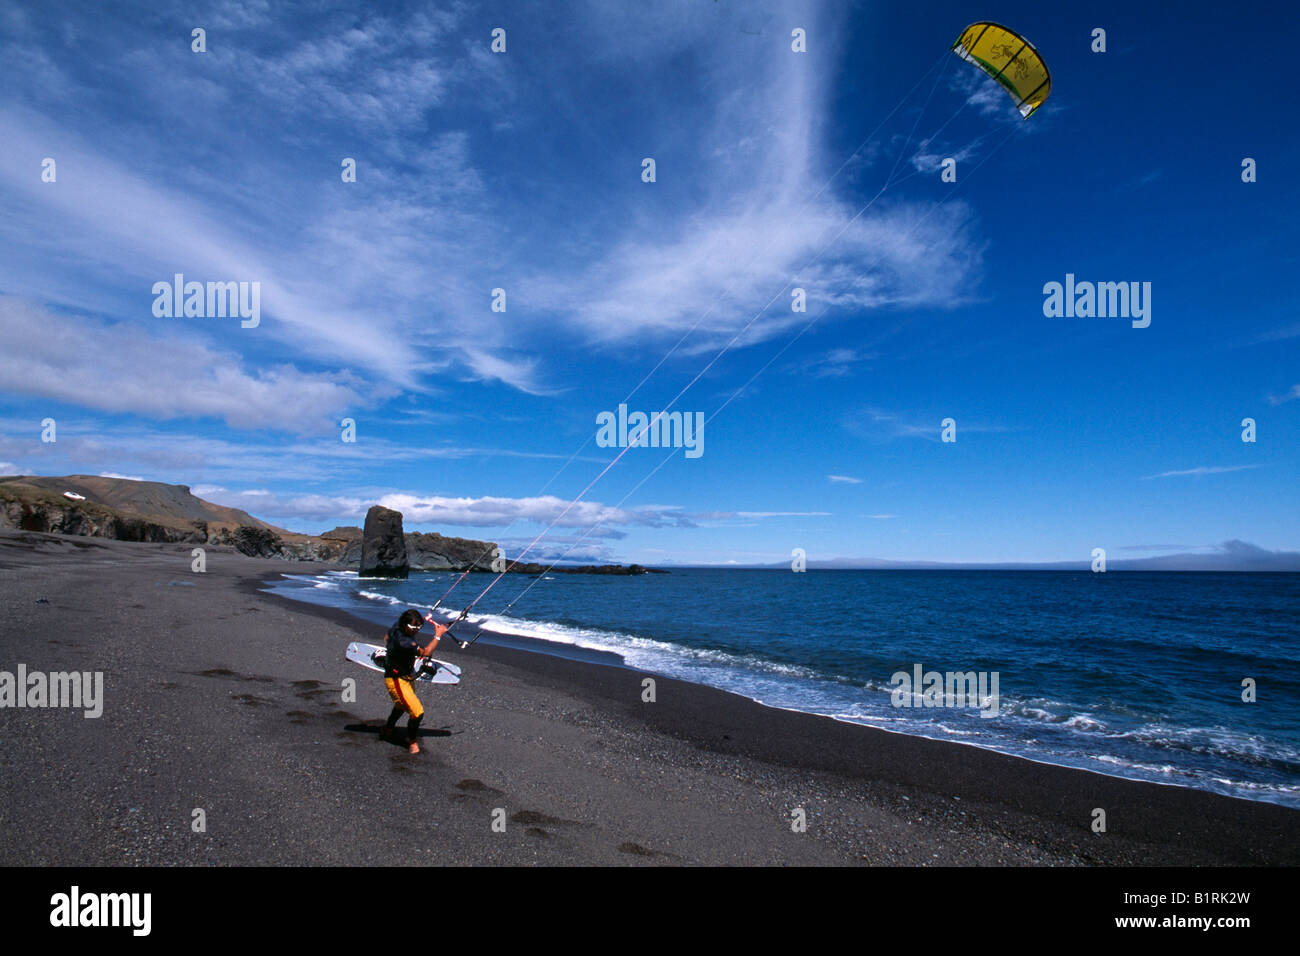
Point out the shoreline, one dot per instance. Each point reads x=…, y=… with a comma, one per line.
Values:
x=301, y=594
x=756, y=732
x=222, y=697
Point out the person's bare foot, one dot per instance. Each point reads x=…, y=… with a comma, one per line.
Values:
x=413, y=748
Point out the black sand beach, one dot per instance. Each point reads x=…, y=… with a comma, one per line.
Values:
x=223, y=699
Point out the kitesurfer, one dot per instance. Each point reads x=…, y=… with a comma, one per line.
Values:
x=403, y=646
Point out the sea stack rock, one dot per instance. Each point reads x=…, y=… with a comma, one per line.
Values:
x=383, y=548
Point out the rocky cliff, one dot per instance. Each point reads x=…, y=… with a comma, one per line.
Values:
x=129, y=510
x=383, y=549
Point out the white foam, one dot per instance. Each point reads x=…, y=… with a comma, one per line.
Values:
x=643, y=652
x=382, y=598
x=1034, y=727
x=1085, y=723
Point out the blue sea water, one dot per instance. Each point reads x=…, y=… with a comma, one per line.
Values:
x=1136, y=674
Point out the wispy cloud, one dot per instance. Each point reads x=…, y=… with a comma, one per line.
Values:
x=783, y=514
x=162, y=375
x=904, y=256
x=1203, y=470
x=879, y=424
x=931, y=153
x=520, y=373
x=1294, y=393
x=1285, y=332
x=88, y=445
x=845, y=479
x=833, y=363
x=725, y=515
x=981, y=91
x=401, y=255
x=1164, y=547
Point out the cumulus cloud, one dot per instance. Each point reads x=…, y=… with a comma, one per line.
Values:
x=494, y=511
x=592, y=518
x=484, y=512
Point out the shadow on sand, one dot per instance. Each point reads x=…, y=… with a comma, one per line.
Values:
x=399, y=738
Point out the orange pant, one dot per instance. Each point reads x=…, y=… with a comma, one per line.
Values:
x=403, y=693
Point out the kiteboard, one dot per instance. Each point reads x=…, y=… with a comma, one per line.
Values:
x=427, y=669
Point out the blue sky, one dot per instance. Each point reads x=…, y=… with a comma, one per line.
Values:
x=522, y=170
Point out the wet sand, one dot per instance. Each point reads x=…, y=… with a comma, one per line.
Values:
x=222, y=699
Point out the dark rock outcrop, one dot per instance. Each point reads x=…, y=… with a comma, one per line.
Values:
x=424, y=552
x=54, y=518
x=624, y=569
x=436, y=552
x=130, y=510
x=383, y=547
x=257, y=542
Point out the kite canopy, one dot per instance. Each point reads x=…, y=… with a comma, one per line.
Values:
x=1010, y=59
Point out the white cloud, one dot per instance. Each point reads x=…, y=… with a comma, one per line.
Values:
x=928, y=159
x=408, y=253
x=725, y=515
x=764, y=218
x=783, y=514
x=833, y=363
x=594, y=519
x=264, y=504
x=494, y=511
x=240, y=14
x=1203, y=470
x=1286, y=396
x=520, y=374
x=881, y=425
x=729, y=273
x=568, y=549
x=88, y=445
x=121, y=229
x=845, y=479
x=982, y=92
x=121, y=368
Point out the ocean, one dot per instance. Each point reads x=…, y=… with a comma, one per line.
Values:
x=1135, y=674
